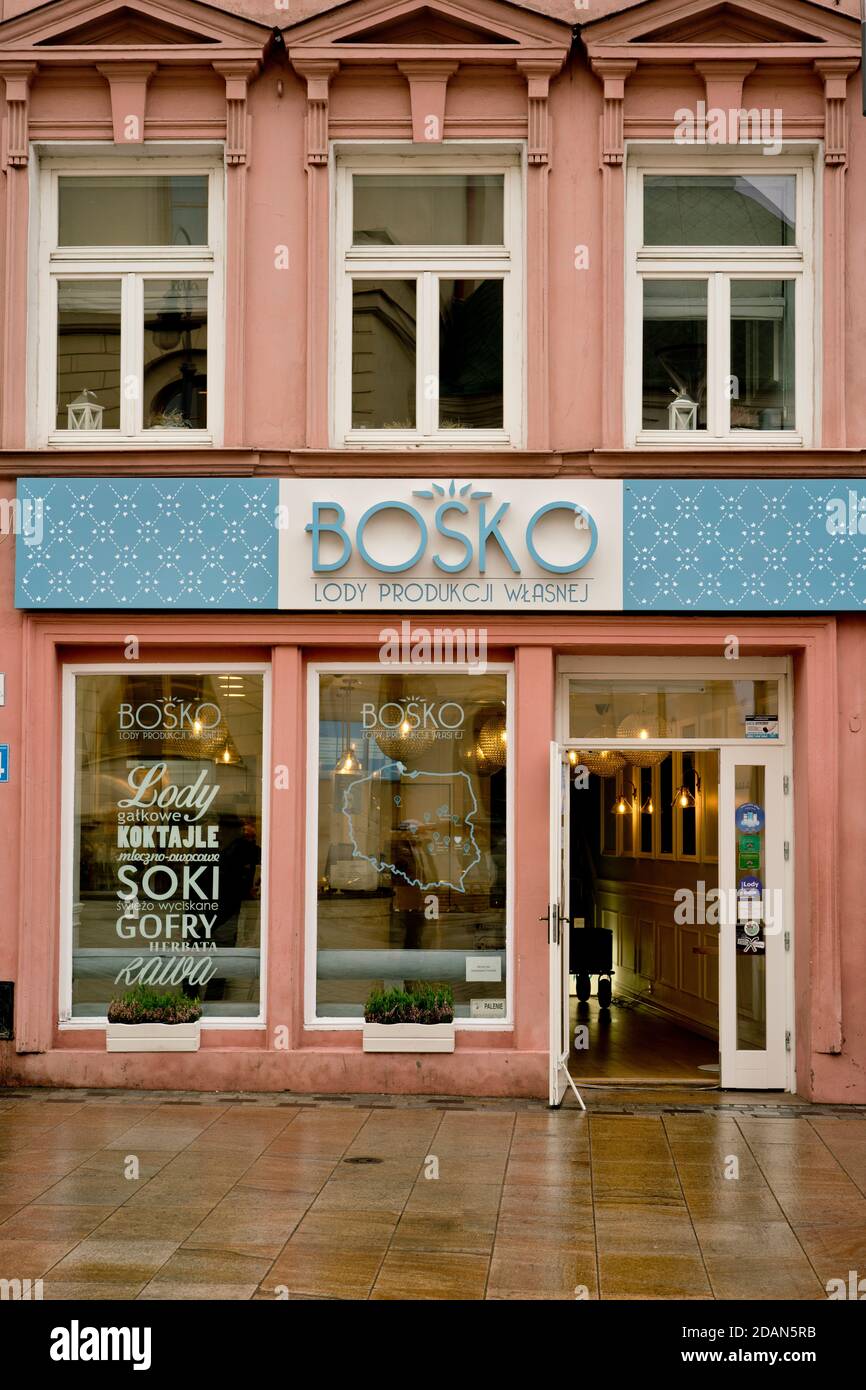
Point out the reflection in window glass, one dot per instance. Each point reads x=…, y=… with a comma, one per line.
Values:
x=719, y=210
x=762, y=354
x=167, y=844
x=674, y=355
x=88, y=354
x=673, y=709
x=133, y=210
x=470, y=354
x=411, y=839
x=384, y=335
x=428, y=209
x=175, y=354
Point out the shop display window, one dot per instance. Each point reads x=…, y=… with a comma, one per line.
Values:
x=410, y=838
x=164, y=878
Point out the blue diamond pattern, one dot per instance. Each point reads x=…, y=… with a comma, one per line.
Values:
x=184, y=543
x=759, y=545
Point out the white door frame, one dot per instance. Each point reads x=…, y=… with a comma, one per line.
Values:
x=767, y=1068
x=558, y=920
x=776, y=1068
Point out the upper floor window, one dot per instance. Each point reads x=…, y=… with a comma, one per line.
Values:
x=428, y=342
x=719, y=338
x=130, y=301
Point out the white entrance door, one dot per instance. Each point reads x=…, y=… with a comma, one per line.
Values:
x=557, y=929
x=754, y=933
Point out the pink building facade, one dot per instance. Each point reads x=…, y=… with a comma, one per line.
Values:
x=404, y=410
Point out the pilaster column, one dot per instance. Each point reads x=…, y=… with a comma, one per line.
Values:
x=614, y=73
x=834, y=73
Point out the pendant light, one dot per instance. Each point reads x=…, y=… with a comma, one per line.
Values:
x=624, y=804
x=644, y=726
x=603, y=762
x=493, y=742
x=404, y=743
x=348, y=760
x=648, y=808
x=685, y=799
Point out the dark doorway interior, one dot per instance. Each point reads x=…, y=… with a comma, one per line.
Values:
x=643, y=856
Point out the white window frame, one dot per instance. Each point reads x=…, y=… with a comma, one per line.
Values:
x=426, y=263
x=131, y=265
x=67, y=828
x=718, y=265
x=312, y=1022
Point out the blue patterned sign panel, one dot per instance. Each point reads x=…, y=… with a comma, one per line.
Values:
x=761, y=545
x=185, y=543
x=549, y=545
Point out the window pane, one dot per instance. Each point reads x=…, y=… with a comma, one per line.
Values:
x=470, y=354
x=88, y=354
x=411, y=839
x=674, y=355
x=762, y=354
x=626, y=819
x=383, y=354
x=167, y=839
x=666, y=809
x=688, y=814
x=133, y=210
x=719, y=210
x=676, y=710
x=648, y=809
x=751, y=832
x=175, y=354
x=428, y=209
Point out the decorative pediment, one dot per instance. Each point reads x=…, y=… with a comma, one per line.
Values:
x=69, y=30
x=127, y=41
x=778, y=31
x=427, y=44
x=727, y=24
x=124, y=29
x=724, y=44
x=391, y=25
x=426, y=25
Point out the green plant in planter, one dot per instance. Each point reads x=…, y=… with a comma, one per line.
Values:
x=422, y=1003
x=143, y=1005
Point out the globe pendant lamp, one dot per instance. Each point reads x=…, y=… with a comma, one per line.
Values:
x=644, y=726
x=404, y=743
x=602, y=762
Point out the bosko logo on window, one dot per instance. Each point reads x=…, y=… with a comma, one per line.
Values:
x=458, y=545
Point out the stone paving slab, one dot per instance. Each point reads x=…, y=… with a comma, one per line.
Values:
x=649, y=1195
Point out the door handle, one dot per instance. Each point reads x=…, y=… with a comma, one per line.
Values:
x=551, y=917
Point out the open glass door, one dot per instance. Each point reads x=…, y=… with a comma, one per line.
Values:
x=754, y=935
x=557, y=930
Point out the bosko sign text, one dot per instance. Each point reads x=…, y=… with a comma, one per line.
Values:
x=508, y=544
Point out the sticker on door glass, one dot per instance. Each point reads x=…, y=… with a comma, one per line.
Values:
x=750, y=938
x=750, y=889
x=762, y=726
x=750, y=818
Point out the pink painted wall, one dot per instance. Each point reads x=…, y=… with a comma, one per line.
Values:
x=277, y=394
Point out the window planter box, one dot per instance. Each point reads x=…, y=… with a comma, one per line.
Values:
x=408, y=1037
x=153, y=1037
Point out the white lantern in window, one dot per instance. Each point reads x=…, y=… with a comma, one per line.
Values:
x=682, y=413
x=85, y=412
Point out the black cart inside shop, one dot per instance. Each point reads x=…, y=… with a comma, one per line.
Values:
x=591, y=953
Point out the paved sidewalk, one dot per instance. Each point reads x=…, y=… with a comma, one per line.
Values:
x=317, y=1198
